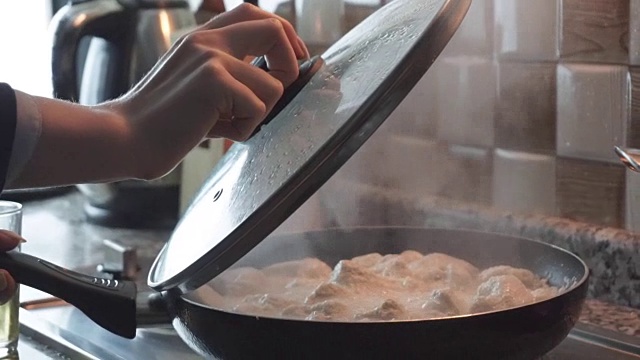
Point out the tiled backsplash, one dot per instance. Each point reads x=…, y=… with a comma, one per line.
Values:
x=521, y=112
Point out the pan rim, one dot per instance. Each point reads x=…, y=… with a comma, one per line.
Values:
x=578, y=284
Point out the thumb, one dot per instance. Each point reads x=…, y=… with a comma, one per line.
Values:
x=9, y=240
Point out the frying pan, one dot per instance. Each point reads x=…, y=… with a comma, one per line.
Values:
x=524, y=332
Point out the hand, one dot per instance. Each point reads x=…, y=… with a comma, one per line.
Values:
x=204, y=87
x=8, y=241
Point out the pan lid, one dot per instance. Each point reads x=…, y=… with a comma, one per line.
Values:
x=341, y=98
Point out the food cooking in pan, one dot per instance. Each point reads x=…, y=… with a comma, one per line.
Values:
x=375, y=287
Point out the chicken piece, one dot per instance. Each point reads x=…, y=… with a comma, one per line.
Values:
x=262, y=304
x=206, y=295
x=392, y=266
x=410, y=284
x=350, y=275
x=446, y=302
x=443, y=270
x=296, y=312
x=544, y=293
x=250, y=309
x=306, y=268
x=501, y=292
x=268, y=301
x=529, y=279
x=329, y=310
x=388, y=310
x=430, y=314
x=325, y=291
x=303, y=283
x=240, y=282
x=410, y=256
x=368, y=260
x=372, y=287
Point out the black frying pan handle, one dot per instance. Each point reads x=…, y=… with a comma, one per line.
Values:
x=109, y=303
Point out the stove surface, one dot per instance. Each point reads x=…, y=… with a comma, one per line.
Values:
x=68, y=331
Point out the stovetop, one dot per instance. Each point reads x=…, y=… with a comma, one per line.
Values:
x=68, y=331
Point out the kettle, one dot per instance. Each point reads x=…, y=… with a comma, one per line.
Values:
x=101, y=48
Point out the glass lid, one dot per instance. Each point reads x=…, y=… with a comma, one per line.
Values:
x=344, y=96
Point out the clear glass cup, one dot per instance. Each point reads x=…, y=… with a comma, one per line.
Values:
x=10, y=219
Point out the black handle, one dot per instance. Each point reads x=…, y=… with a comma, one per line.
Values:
x=153, y=310
x=109, y=303
x=307, y=69
x=74, y=21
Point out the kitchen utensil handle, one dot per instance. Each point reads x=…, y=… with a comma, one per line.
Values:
x=74, y=21
x=152, y=310
x=308, y=68
x=109, y=303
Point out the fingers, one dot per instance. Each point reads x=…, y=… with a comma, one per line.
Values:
x=9, y=240
x=251, y=38
x=247, y=12
x=264, y=37
x=252, y=94
x=7, y=287
x=236, y=130
x=267, y=88
x=245, y=109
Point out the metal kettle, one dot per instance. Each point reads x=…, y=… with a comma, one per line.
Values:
x=101, y=48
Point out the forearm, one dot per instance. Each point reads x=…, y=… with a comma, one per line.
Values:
x=77, y=144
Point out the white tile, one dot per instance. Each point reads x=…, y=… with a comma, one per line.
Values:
x=412, y=164
x=416, y=115
x=527, y=30
x=524, y=182
x=593, y=109
x=632, y=203
x=632, y=130
x=466, y=96
x=526, y=107
x=634, y=33
x=475, y=34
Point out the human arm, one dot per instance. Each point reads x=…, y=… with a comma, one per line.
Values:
x=7, y=129
x=200, y=88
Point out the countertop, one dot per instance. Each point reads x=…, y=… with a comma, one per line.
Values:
x=618, y=318
x=56, y=230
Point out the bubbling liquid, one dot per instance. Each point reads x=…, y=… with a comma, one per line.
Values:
x=374, y=287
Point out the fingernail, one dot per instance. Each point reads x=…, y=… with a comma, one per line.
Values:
x=6, y=235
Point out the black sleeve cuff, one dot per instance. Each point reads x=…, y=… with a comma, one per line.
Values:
x=8, y=120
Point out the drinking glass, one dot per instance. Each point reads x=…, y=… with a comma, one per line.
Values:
x=10, y=219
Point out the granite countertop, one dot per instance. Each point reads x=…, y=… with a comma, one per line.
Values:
x=55, y=230
x=618, y=318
